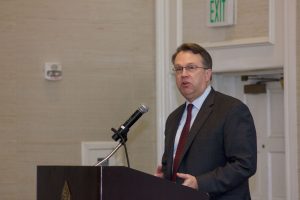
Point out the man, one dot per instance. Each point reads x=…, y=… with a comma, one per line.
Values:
x=218, y=154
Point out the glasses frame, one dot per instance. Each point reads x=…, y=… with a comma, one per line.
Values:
x=189, y=68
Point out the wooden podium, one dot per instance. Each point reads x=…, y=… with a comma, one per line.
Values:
x=107, y=183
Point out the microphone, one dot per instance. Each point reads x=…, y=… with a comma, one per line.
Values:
x=121, y=133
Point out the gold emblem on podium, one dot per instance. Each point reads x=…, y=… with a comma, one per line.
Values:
x=66, y=194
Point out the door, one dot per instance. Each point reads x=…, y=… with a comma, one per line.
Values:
x=264, y=97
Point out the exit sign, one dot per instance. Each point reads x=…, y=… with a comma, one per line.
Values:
x=221, y=12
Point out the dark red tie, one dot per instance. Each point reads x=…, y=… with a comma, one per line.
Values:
x=182, y=140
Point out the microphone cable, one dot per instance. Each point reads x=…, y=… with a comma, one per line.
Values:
x=127, y=157
x=123, y=141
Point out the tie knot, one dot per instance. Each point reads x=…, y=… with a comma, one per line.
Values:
x=189, y=108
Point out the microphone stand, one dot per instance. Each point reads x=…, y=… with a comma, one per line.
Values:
x=119, y=135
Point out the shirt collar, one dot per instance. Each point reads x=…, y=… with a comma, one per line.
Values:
x=199, y=101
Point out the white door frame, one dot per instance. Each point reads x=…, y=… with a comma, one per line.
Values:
x=290, y=99
x=169, y=36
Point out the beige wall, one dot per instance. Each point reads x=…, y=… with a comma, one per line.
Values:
x=107, y=51
x=298, y=80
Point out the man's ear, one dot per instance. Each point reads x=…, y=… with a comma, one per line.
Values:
x=208, y=74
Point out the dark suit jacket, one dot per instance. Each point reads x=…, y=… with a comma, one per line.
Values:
x=220, y=150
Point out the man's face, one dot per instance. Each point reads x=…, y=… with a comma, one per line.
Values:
x=191, y=83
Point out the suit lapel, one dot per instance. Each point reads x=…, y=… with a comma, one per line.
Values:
x=176, y=119
x=200, y=119
x=172, y=132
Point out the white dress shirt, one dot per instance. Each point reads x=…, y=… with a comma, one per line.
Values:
x=197, y=103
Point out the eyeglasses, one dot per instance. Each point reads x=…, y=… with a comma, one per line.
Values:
x=189, y=68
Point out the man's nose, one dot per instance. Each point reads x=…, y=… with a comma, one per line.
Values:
x=184, y=72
